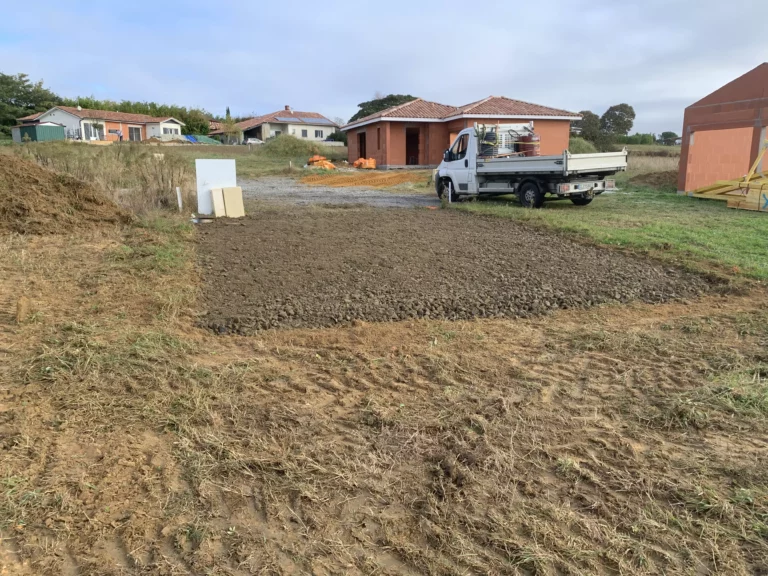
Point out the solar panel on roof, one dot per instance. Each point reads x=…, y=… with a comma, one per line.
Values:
x=279, y=119
x=316, y=121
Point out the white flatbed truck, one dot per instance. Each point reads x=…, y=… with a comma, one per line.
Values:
x=479, y=165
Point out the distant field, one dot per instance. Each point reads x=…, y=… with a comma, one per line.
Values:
x=654, y=149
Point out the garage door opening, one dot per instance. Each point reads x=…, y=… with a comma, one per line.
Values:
x=411, y=146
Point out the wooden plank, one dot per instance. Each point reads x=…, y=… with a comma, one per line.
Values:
x=233, y=201
x=217, y=199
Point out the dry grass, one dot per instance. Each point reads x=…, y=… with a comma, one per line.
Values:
x=638, y=164
x=618, y=440
x=131, y=174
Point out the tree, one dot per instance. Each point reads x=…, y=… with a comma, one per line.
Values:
x=20, y=97
x=228, y=115
x=618, y=120
x=589, y=124
x=668, y=138
x=232, y=132
x=379, y=104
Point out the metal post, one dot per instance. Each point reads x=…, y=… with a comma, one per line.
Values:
x=178, y=196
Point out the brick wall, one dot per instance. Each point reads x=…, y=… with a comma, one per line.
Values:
x=718, y=155
x=739, y=105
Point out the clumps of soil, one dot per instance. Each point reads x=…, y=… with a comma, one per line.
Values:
x=34, y=200
x=666, y=179
x=323, y=267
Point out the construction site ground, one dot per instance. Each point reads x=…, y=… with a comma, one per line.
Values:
x=626, y=434
x=387, y=190
x=322, y=266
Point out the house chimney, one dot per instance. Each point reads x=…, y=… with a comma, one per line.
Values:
x=287, y=108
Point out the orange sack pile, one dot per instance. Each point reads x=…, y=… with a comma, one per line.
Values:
x=363, y=164
x=321, y=162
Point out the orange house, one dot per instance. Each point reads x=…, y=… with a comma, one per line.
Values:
x=417, y=133
x=724, y=132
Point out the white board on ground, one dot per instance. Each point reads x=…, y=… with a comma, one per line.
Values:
x=212, y=174
x=217, y=199
x=233, y=200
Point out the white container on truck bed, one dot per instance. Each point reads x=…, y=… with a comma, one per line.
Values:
x=467, y=171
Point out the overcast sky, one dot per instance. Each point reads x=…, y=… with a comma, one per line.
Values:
x=257, y=56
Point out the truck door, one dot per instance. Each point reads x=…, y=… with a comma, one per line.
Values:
x=458, y=165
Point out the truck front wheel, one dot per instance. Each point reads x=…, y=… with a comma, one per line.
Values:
x=531, y=195
x=446, y=190
x=581, y=201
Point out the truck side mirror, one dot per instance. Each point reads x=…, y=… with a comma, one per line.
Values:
x=447, y=156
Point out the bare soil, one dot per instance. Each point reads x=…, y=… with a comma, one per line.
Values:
x=665, y=179
x=34, y=200
x=281, y=268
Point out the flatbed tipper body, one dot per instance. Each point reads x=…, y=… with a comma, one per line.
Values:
x=484, y=162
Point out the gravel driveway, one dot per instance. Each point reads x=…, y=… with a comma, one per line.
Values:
x=289, y=191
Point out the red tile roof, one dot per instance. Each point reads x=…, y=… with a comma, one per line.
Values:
x=414, y=109
x=502, y=106
x=491, y=106
x=31, y=116
x=111, y=116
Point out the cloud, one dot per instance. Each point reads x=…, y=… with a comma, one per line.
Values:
x=257, y=57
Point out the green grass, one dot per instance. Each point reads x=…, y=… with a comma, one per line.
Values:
x=699, y=234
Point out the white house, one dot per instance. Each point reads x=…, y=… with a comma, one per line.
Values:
x=302, y=125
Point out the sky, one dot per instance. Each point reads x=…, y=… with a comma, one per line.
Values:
x=256, y=57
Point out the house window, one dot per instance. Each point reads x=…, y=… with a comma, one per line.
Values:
x=319, y=134
x=304, y=133
x=378, y=138
x=134, y=133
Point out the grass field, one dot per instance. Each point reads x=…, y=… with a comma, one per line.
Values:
x=700, y=234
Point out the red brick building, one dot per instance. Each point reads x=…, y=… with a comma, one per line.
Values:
x=723, y=132
x=417, y=133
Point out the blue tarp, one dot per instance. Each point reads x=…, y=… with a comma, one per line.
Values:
x=191, y=138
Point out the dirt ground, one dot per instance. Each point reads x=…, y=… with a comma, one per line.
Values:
x=618, y=439
x=320, y=267
x=288, y=191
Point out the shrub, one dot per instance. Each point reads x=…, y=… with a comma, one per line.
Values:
x=578, y=145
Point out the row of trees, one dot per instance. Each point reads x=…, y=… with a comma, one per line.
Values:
x=20, y=97
x=613, y=128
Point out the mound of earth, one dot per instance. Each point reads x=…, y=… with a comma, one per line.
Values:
x=666, y=179
x=34, y=200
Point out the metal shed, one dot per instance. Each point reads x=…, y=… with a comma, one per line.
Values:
x=41, y=132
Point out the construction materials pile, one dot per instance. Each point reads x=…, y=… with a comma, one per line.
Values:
x=747, y=193
x=365, y=164
x=34, y=200
x=320, y=162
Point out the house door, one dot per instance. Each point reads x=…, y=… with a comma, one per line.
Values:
x=134, y=133
x=411, y=146
x=361, y=145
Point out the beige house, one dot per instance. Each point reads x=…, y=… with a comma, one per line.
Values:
x=302, y=125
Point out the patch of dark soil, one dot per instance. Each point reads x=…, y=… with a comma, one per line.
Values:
x=34, y=200
x=667, y=179
x=322, y=267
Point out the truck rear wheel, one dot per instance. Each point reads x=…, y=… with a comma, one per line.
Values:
x=531, y=195
x=581, y=201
